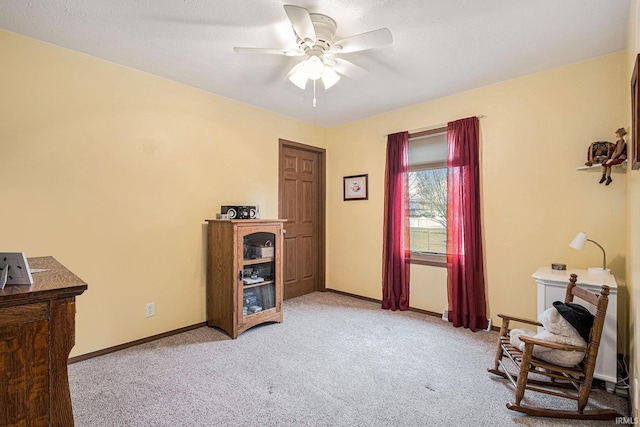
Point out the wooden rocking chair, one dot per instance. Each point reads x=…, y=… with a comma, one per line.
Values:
x=561, y=378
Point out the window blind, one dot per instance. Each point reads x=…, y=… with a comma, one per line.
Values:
x=428, y=151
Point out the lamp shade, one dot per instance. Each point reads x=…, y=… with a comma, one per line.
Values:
x=297, y=76
x=329, y=77
x=579, y=241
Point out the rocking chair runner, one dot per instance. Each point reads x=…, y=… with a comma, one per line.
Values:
x=579, y=377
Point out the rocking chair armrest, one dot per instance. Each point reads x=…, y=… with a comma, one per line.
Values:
x=549, y=344
x=507, y=318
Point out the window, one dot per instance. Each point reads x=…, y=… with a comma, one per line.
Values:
x=428, y=196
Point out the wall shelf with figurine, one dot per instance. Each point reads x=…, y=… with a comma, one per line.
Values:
x=612, y=154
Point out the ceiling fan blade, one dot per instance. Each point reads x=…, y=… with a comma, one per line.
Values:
x=301, y=23
x=285, y=52
x=349, y=69
x=370, y=40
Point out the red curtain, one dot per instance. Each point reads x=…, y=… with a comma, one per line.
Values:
x=395, y=253
x=465, y=267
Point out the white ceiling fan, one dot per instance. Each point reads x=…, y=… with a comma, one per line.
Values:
x=314, y=35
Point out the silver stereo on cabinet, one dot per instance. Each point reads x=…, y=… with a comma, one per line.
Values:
x=239, y=212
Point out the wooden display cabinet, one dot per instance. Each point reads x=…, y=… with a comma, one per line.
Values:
x=244, y=274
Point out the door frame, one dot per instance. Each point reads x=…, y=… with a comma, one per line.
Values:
x=321, y=199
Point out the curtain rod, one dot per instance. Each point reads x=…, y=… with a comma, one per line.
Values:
x=438, y=126
x=480, y=116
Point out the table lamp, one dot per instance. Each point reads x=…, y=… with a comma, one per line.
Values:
x=578, y=243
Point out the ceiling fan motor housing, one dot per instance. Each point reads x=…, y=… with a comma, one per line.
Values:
x=325, y=31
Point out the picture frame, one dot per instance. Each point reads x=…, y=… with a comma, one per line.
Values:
x=356, y=187
x=635, y=116
x=14, y=269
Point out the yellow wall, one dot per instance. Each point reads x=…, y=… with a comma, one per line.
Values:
x=113, y=171
x=536, y=132
x=632, y=231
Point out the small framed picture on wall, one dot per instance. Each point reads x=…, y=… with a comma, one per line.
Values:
x=356, y=187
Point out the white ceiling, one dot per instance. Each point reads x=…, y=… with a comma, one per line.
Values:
x=440, y=47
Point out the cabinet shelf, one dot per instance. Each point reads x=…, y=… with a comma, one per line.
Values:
x=259, y=314
x=254, y=261
x=255, y=285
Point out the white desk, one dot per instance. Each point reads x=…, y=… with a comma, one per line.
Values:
x=552, y=286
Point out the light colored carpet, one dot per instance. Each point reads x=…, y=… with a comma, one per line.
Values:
x=335, y=361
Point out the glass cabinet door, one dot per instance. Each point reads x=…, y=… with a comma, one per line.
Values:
x=258, y=275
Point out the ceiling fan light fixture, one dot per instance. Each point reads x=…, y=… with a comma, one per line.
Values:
x=313, y=67
x=314, y=35
x=298, y=77
x=329, y=77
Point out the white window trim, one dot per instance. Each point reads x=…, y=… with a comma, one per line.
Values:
x=428, y=258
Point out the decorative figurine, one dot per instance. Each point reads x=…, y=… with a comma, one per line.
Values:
x=618, y=156
x=598, y=152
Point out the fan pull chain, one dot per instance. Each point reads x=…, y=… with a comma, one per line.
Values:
x=314, y=94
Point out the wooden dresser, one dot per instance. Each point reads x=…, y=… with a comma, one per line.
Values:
x=37, y=332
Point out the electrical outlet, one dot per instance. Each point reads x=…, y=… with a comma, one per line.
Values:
x=150, y=309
